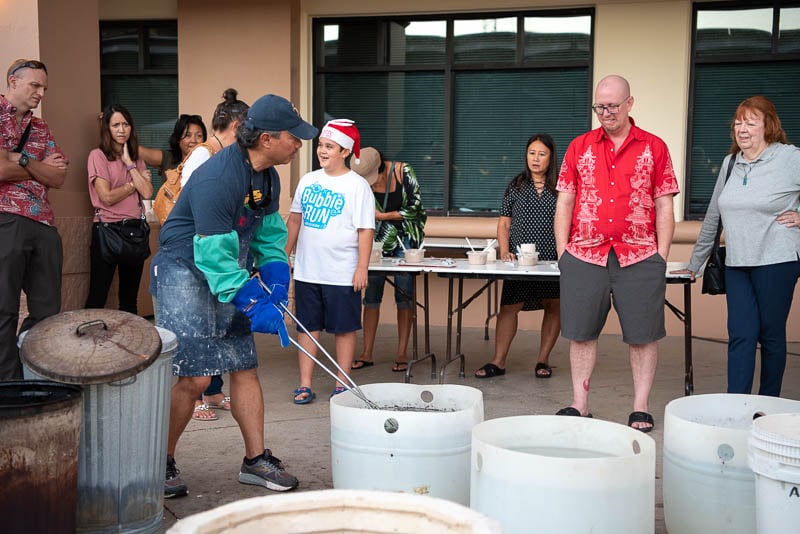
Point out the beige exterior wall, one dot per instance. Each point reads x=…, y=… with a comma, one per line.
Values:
x=262, y=46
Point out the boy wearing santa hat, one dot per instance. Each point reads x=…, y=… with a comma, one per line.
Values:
x=332, y=222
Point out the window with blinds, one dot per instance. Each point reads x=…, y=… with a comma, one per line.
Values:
x=457, y=97
x=139, y=70
x=738, y=52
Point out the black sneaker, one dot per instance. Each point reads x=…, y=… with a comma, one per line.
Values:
x=268, y=471
x=174, y=486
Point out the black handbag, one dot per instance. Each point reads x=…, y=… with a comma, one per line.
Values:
x=714, y=274
x=126, y=242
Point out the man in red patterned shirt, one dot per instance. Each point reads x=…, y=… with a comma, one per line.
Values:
x=614, y=224
x=30, y=247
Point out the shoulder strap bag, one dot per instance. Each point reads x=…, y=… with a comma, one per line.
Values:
x=714, y=274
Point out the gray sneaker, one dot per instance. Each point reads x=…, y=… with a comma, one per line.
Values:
x=174, y=486
x=268, y=471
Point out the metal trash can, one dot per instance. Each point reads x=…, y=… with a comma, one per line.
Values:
x=124, y=365
x=39, y=433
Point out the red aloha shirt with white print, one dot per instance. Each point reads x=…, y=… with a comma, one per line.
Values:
x=615, y=194
x=26, y=197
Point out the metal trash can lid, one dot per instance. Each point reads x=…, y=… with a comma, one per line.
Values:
x=91, y=346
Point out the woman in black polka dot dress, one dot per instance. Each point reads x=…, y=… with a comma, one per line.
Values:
x=529, y=205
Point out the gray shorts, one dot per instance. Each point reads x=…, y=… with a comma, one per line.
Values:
x=637, y=291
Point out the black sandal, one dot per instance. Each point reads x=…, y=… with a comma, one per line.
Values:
x=490, y=370
x=360, y=364
x=543, y=370
x=641, y=417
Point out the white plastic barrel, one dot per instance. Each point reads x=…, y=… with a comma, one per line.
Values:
x=556, y=474
x=774, y=457
x=422, y=452
x=708, y=485
x=365, y=512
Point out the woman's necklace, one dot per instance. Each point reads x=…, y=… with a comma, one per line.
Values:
x=750, y=162
x=218, y=141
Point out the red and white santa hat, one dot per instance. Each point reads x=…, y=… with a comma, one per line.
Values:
x=345, y=133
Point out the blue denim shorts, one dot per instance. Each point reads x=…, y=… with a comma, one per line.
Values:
x=403, y=287
x=335, y=309
x=213, y=337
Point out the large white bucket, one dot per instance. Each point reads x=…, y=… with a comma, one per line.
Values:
x=410, y=451
x=774, y=457
x=556, y=474
x=341, y=511
x=708, y=486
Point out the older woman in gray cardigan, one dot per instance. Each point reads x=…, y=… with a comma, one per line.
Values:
x=758, y=205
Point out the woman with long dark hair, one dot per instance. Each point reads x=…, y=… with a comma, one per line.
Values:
x=188, y=132
x=118, y=180
x=526, y=216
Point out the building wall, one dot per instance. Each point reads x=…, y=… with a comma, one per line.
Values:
x=264, y=46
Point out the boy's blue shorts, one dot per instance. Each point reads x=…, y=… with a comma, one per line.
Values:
x=335, y=309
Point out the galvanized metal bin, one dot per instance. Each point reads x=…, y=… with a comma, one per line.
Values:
x=124, y=363
x=39, y=433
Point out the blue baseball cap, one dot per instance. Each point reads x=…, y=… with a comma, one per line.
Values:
x=275, y=114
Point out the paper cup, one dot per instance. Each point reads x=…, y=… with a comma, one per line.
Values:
x=476, y=257
x=528, y=247
x=526, y=259
x=414, y=255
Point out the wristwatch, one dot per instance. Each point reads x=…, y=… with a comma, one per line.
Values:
x=23, y=161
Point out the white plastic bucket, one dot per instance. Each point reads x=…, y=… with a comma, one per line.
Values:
x=367, y=512
x=707, y=483
x=774, y=457
x=556, y=474
x=425, y=453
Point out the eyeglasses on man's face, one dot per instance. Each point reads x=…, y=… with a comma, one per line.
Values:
x=611, y=108
x=32, y=64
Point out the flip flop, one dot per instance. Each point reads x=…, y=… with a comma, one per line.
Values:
x=641, y=417
x=399, y=367
x=203, y=413
x=543, y=370
x=490, y=370
x=224, y=404
x=301, y=390
x=572, y=412
x=360, y=364
x=337, y=390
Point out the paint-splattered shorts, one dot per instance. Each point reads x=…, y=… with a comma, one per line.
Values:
x=213, y=338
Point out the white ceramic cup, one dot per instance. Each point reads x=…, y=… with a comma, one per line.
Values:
x=476, y=257
x=527, y=259
x=414, y=255
x=527, y=247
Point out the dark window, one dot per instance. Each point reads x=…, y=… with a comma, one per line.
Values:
x=457, y=97
x=739, y=51
x=139, y=70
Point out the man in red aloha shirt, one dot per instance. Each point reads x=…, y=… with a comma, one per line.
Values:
x=614, y=223
x=30, y=247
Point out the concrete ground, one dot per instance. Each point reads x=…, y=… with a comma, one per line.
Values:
x=209, y=453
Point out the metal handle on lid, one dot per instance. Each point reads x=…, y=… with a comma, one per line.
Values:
x=81, y=329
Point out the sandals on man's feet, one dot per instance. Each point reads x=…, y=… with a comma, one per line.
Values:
x=543, y=370
x=360, y=364
x=490, y=370
x=203, y=413
x=399, y=367
x=572, y=412
x=641, y=417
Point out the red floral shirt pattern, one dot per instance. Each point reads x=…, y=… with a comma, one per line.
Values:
x=26, y=197
x=615, y=194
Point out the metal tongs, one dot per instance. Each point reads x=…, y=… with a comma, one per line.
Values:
x=352, y=387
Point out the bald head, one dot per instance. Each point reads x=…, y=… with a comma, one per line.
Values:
x=614, y=83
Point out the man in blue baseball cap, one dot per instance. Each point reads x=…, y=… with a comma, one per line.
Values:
x=205, y=293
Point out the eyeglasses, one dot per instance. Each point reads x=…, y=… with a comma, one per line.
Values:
x=32, y=64
x=613, y=109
